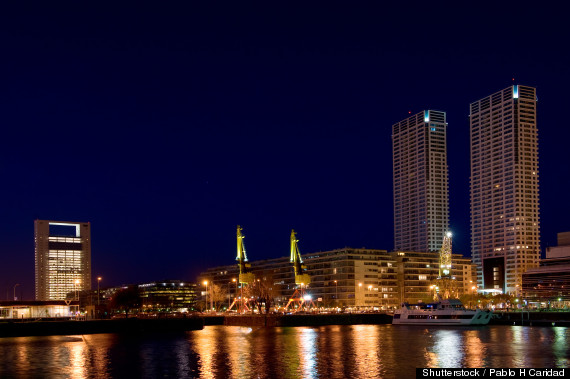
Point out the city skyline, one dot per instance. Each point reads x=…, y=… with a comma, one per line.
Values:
x=166, y=128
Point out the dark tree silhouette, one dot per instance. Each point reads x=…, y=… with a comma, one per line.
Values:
x=126, y=299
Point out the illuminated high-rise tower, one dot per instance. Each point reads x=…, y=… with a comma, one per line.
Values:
x=420, y=178
x=63, y=258
x=505, y=224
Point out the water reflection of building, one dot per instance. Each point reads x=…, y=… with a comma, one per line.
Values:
x=352, y=277
x=550, y=281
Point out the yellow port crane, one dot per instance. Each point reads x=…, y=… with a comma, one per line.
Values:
x=445, y=257
x=445, y=285
x=300, y=297
x=245, y=277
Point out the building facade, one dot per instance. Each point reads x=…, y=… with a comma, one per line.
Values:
x=168, y=295
x=38, y=309
x=62, y=259
x=420, y=179
x=550, y=283
x=505, y=223
x=362, y=278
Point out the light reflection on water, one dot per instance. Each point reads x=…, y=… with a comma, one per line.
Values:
x=364, y=351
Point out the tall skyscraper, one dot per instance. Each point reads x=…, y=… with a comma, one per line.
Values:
x=421, y=194
x=63, y=258
x=505, y=224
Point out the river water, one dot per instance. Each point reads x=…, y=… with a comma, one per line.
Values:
x=357, y=351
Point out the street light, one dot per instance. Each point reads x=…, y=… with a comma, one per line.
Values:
x=16, y=285
x=336, y=292
x=360, y=290
x=98, y=292
x=206, y=300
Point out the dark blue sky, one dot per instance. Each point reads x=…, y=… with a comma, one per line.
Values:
x=166, y=126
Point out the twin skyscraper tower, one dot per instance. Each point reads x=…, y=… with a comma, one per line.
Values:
x=505, y=223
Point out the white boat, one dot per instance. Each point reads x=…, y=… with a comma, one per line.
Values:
x=444, y=312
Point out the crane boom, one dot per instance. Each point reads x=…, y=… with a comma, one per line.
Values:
x=300, y=278
x=244, y=276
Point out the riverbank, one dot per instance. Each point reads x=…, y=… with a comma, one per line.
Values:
x=532, y=318
x=125, y=326
x=136, y=326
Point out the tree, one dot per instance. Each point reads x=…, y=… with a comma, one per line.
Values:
x=263, y=292
x=126, y=299
x=219, y=295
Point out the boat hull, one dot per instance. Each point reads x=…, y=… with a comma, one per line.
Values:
x=441, y=318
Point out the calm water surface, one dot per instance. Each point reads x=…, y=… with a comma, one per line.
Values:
x=362, y=351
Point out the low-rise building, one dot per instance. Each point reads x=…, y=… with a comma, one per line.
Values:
x=38, y=309
x=550, y=282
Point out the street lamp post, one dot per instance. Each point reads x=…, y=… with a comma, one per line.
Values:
x=206, y=300
x=98, y=292
x=360, y=290
x=212, y=296
x=336, y=292
x=16, y=285
x=236, y=294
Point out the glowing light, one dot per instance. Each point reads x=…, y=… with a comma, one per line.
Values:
x=449, y=234
x=307, y=297
x=515, y=92
x=426, y=116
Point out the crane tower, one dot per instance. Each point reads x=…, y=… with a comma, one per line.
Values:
x=300, y=297
x=445, y=257
x=445, y=285
x=245, y=276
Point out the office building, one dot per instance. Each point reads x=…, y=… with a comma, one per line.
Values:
x=62, y=259
x=505, y=224
x=420, y=179
x=168, y=295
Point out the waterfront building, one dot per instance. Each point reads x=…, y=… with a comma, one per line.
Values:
x=363, y=278
x=172, y=295
x=550, y=282
x=37, y=309
x=420, y=179
x=62, y=259
x=505, y=224
x=157, y=296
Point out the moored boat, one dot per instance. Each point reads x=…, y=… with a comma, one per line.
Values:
x=444, y=312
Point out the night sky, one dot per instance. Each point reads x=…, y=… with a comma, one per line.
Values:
x=166, y=126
